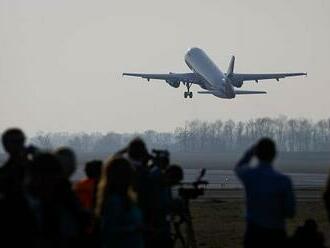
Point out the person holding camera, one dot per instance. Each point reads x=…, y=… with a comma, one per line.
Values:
x=163, y=179
x=270, y=199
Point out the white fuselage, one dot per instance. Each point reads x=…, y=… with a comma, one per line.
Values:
x=215, y=80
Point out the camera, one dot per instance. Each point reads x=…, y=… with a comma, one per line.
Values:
x=181, y=213
x=31, y=151
x=161, y=158
x=193, y=190
x=190, y=193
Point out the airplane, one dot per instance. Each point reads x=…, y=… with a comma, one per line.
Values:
x=209, y=77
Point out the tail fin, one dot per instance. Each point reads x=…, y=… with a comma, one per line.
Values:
x=231, y=66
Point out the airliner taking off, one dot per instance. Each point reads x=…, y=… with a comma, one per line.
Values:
x=209, y=77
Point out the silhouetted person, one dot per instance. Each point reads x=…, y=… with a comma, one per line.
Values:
x=162, y=200
x=59, y=216
x=67, y=158
x=13, y=172
x=138, y=156
x=326, y=198
x=17, y=226
x=86, y=191
x=307, y=236
x=87, y=187
x=269, y=197
x=120, y=218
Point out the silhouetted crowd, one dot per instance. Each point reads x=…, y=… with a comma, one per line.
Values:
x=127, y=200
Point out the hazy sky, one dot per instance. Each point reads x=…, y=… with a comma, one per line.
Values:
x=61, y=61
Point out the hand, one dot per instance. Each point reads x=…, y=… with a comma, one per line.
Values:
x=251, y=152
x=122, y=151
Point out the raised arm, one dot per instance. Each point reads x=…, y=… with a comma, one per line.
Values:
x=244, y=162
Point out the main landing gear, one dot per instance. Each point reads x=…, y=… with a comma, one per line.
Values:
x=188, y=93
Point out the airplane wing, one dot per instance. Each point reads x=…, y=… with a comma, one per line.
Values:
x=256, y=77
x=170, y=77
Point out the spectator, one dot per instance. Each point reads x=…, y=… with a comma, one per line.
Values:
x=269, y=197
x=326, y=198
x=120, y=218
x=139, y=157
x=17, y=225
x=13, y=172
x=68, y=161
x=162, y=201
x=85, y=189
x=59, y=216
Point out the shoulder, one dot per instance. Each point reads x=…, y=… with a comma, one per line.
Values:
x=244, y=171
x=283, y=179
x=83, y=184
x=242, y=168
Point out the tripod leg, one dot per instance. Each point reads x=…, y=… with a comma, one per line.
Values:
x=191, y=236
x=190, y=232
x=178, y=235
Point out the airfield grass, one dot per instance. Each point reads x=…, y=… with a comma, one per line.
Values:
x=221, y=223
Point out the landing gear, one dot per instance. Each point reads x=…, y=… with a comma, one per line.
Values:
x=188, y=93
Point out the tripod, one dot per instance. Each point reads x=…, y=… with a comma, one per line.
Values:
x=185, y=216
x=189, y=239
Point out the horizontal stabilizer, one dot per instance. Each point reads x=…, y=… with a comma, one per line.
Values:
x=206, y=92
x=249, y=92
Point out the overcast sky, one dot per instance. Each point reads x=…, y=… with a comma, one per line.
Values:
x=61, y=61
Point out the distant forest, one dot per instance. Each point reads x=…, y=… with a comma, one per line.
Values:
x=291, y=135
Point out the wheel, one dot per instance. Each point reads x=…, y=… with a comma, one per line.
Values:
x=190, y=94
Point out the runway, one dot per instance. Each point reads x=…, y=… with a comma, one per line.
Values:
x=226, y=179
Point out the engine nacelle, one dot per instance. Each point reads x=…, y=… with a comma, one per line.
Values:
x=237, y=84
x=174, y=84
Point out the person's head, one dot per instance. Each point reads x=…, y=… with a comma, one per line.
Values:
x=67, y=159
x=265, y=150
x=173, y=175
x=137, y=150
x=13, y=141
x=93, y=169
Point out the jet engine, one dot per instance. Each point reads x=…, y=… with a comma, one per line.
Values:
x=174, y=84
x=237, y=84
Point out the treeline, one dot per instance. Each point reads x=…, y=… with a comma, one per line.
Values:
x=291, y=135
